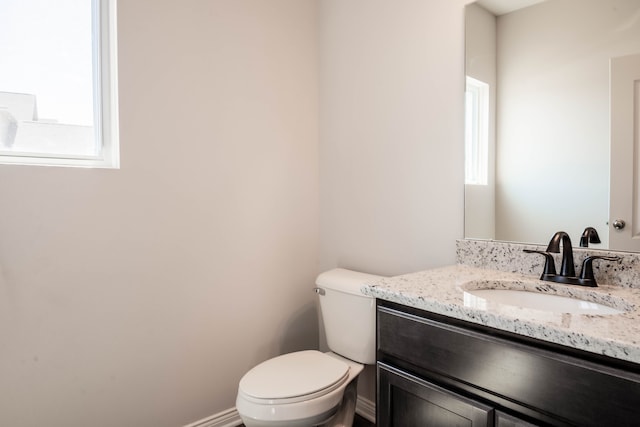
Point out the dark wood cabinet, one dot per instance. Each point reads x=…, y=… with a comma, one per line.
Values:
x=437, y=371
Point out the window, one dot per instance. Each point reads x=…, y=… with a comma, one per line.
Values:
x=476, y=137
x=58, y=88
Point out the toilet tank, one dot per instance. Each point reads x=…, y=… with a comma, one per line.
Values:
x=349, y=317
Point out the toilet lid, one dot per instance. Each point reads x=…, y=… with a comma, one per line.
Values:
x=294, y=374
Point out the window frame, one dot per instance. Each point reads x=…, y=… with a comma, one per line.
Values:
x=105, y=90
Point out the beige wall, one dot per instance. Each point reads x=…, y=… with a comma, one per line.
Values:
x=138, y=297
x=391, y=133
x=480, y=63
x=391, y=154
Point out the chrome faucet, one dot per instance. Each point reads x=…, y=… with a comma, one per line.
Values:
x=567, y=269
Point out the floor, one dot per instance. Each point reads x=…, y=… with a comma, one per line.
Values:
x=358, y=422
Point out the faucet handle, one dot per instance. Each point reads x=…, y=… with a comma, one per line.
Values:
x=549, y=263
x=587, y=278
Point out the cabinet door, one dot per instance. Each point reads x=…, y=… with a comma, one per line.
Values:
x=408, y=401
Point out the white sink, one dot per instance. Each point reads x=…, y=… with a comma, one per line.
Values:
x=479, y=298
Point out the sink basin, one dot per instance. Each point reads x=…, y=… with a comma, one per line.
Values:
x=538, y=301
x=544, y=296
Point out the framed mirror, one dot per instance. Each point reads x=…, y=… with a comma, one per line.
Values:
x=540, y=125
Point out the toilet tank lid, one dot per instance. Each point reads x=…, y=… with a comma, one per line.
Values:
x=344, y=280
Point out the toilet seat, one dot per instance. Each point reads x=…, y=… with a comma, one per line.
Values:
x=293, y=377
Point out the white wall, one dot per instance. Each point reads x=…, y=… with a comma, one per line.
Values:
x=545, y=52
x=391, y=154
x=139, y=296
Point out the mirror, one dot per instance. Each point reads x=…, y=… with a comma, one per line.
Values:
x=542, y=116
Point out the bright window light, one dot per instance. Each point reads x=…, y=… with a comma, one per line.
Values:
x=476, y=132
x=58, y=89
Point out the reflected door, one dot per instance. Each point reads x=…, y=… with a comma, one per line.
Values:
x=624, y=207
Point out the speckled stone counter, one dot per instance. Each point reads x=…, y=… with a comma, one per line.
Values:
x=504, y=256
x=443, y=291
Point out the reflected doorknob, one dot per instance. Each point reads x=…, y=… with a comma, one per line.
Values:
x=619, y=224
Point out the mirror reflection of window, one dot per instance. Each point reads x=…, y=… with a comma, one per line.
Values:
x=476, y=132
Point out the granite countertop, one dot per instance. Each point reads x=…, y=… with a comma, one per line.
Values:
x=442, y=291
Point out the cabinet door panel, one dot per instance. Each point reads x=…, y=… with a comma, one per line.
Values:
x=505, y=420
x=409, y=401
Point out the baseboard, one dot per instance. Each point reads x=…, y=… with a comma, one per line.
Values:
x=230, y=418
x=366, y=409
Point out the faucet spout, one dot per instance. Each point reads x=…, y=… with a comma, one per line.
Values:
x=589, y=235
x=567, y=268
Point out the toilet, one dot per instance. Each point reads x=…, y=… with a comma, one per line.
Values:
x=311, y=388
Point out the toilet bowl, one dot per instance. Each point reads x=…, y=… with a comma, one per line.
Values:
x=311, y=388
x=300, y=389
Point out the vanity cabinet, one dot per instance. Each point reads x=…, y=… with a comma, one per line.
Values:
x=438, y=371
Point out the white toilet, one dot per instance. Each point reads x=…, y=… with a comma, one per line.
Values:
x=310, y=388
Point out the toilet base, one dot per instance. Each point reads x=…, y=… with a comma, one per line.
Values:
x=317, y=421
x=340, y=416
x=347, y=409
